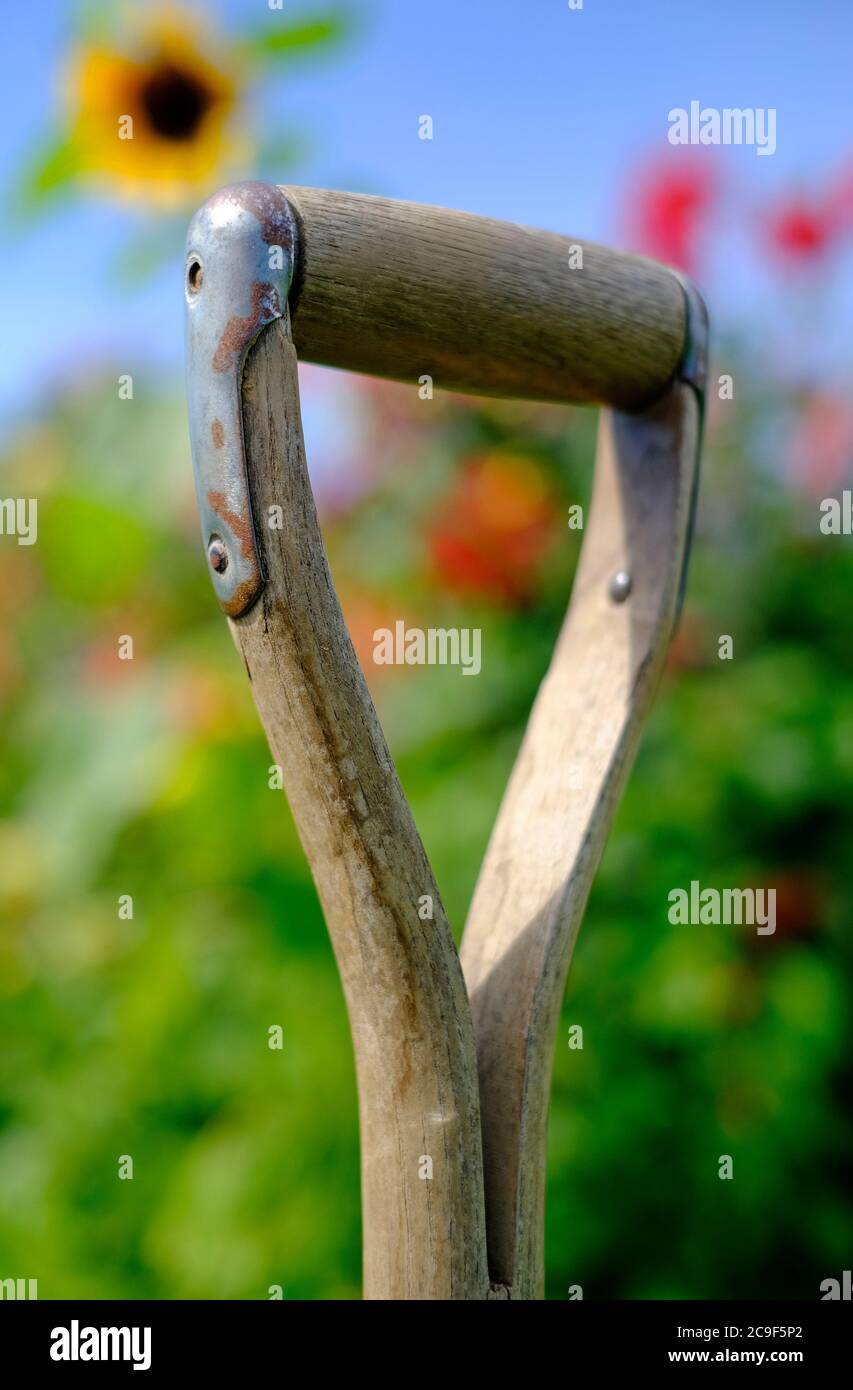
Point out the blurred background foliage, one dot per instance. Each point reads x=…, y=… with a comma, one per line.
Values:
x=149, y=777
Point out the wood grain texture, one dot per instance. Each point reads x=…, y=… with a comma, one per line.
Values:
x=411, y=1025
x=561, y=797
x=400, y=290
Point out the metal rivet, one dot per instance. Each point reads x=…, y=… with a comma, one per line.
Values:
x=217, y=555
x=620, y=586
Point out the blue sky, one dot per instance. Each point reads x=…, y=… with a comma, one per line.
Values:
x=540, y=114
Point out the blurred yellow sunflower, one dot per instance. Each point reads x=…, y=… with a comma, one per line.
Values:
x=154, y=123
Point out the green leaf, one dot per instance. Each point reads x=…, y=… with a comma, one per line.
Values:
x=54, y=167
x=281, y=154
x=147, y=251
x=94, y=20
x=298, y=35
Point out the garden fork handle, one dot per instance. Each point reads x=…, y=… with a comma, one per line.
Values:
x=404, y=290
x=449, y=1090
x=563, y=792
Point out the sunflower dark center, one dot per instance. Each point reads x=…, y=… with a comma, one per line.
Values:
x=175, y=103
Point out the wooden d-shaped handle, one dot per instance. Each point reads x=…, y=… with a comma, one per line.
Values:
x=453, y=1075
x=401, y=290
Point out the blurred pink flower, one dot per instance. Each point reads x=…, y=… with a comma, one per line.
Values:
x=820, y=451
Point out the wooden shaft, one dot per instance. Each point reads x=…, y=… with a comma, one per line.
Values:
x=560, y=800
x=404, y=290
x=424, y=1223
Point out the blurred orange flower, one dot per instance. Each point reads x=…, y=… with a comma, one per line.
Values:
x=365, y=615
x=689, y=646
x=154, y=128
x=202, y=704
x=493, y=528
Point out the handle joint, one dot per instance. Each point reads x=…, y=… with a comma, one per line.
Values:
x=239, y=265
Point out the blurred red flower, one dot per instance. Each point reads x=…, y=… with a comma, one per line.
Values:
x=800, y=904
x=493, y=528
x=803, y=229
x=667, y=207
x=798, y=232
x=800, y=907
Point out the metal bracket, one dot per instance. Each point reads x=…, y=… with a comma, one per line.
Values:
x=239, y=266
x=693, y=369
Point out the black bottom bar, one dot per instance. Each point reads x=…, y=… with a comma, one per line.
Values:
x=92, y=1340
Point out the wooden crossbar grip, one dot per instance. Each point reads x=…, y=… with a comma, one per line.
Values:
x=404, y=290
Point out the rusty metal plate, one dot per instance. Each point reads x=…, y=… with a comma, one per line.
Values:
x=239, y=265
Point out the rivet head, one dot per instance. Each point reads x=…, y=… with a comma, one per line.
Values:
x=217, y=555
x=620, y=586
